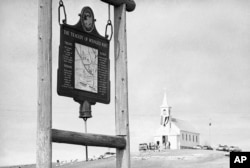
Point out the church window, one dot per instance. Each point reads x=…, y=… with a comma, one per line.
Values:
x=193, y=138
x=196, y=138
x=189, y=137
x=186, y=137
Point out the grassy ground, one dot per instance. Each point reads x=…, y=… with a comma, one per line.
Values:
x=165, y=159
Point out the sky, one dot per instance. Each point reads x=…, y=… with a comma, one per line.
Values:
x=197, y=50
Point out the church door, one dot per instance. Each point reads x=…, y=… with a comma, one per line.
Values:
x=164, y=141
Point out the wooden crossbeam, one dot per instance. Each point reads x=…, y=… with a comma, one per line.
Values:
x=130, y=4
x=86, y=139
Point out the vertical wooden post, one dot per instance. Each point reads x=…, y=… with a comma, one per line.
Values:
x=121, y=85
x=44, y=104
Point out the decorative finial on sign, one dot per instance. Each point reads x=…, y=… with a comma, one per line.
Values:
x=87, y=19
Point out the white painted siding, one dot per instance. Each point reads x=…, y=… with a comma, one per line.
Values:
x=178, y=139
x=189, y=139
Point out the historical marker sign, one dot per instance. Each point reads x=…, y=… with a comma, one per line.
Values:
x=84, y=65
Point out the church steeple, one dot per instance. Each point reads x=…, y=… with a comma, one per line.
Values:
x=165, y=101
x=165, y=111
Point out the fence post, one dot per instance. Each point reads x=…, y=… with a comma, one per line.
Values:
x=44, y=104
x=121, y=85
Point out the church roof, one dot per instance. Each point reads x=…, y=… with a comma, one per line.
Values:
x=184, y=125
x=177, y=126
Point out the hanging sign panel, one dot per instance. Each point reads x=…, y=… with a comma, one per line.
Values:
x=84, y=65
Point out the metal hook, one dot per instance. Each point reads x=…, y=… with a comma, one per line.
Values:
x=109, y=23
x=111, y=28
x=59, y=13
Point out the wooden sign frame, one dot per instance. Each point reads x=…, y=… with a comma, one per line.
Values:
x=45, y=134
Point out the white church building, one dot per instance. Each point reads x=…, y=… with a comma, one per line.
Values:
x=174, y=133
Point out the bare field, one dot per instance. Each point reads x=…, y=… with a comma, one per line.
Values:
x=182, y=159
x=165, y=159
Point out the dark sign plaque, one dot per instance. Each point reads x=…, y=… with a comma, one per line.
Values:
x=84, y=65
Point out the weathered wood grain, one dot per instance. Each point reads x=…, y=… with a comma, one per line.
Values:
x=44, y=104
x=121, y=85
x=130, y=4
x=87, y=139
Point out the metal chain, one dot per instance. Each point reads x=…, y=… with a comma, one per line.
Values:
x=64, y=21
x=109, y=24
